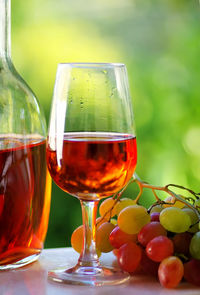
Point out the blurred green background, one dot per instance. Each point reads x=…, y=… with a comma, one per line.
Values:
x=159, y=41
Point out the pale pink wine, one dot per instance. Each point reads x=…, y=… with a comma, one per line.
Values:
x=92, y=165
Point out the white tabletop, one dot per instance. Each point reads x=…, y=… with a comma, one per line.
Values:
x=32, y=279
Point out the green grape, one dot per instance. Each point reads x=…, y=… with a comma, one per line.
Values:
x=113, y=221
x=106, y=206
x=195, y=246
x=156, y=208
x=102, y=237
x=132, y=218
x=77, y=238
x=123, y=203
x=100, y=221
x=175, y=220
x=173, y=202
x=194, y=219
x=197, y=204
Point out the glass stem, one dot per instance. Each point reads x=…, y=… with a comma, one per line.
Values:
x=88, y=255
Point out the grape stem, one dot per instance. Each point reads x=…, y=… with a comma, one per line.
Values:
x=166, y=189
x=142, y=184
x=116, y=197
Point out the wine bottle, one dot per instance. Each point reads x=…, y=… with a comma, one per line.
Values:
x=25, y=184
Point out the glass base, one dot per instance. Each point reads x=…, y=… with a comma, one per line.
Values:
x=89, y=276
x=20, y=263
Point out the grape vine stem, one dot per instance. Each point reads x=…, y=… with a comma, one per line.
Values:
x=154, y=188
x=166, y=189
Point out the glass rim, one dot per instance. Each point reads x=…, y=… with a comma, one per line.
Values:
x=91, y=65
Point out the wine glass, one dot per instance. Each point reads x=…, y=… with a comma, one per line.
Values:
x=91, y=152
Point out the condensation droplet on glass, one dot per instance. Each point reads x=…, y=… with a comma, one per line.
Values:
x=81, y=103
x=112, y=93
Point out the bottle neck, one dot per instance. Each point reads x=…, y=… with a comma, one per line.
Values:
x=4, y=31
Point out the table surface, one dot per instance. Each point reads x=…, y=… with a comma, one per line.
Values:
x=32, y=279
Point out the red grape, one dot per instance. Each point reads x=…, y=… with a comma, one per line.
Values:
x=115, y=252
x=159, y=248
x=182, y=243
x=118, y=237
x=150, y=231
x=170, y=272
x=129, y=256
x=192, y=272
x=149, y=266
x=155, y=216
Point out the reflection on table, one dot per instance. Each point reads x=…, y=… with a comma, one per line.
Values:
x=32, y=279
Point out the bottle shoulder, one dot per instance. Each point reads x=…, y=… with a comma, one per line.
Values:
x=11, y=79
x=18, y=101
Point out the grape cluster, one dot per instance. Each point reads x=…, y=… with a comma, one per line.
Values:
x=163, y=241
